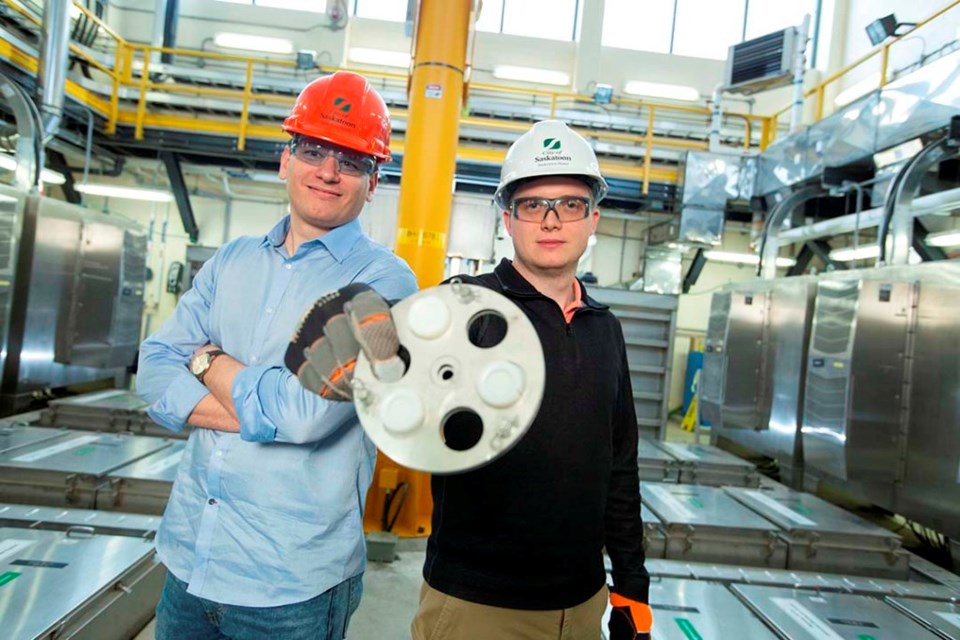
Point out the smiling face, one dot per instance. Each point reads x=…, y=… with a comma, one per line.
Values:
x=551, y=246
x=321, y=197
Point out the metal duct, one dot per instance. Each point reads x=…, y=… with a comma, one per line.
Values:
x=52, y=72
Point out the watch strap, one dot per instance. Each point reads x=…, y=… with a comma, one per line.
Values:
x=211, y=356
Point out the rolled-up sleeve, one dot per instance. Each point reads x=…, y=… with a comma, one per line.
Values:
x=272, y=405
x=162, y=377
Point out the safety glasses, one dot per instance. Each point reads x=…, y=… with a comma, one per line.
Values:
x=349, y=163
x=567, y=208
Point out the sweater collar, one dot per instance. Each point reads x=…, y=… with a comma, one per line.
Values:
x=515, y=284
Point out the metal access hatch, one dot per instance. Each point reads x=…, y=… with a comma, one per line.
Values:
x=69, y=470
x=656, y=464
x=704, y=524
x=70, y=585
x=16, y=436
x=24, y=516
x=806, y=615
x=710, y=465
x=144, y=486
x=687, y=609
x=114, y=410
x=943, y=618
x=823, y=537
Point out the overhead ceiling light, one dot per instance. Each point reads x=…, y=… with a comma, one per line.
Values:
x=849, y=254
x=944, y=239
x=661, y=90
x=531, y=74
x=128, y=193
x=248, y=42
x=858, y=89
x=743, y=258
x=47, y=176
x=379, y=57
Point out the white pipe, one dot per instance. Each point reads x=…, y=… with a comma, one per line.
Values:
x=716, y=118
x=796, y=113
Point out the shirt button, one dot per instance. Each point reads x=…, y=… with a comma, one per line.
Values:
x=254, y=359
x=269, y=310
x=211, y=501
x=288, y=266
x=220, y=454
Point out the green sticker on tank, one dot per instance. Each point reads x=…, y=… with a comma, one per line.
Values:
x=9, y=576
x=84, y=451
x=688, y=629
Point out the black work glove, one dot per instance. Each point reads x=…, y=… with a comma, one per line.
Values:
x=629, y=620
x=323, y=351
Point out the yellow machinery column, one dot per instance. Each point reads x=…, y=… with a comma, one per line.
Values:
x=426, y=195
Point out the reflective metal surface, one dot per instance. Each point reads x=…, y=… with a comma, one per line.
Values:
x=709, y=465
x=116, y=410
x=802, y=615
x=942, y=618
x=648, y=321
x=656, y=464
x=49, y=577
x=663, y=271
x=84, y=453
x=15, y=436
x=704, y=524
x=688, y=609
x=103, y=522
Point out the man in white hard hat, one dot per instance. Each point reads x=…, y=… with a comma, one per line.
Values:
x=516, y=549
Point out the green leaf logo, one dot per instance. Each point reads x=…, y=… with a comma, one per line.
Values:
x=551, y=144
x=342, y=104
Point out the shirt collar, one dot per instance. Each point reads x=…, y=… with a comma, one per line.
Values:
x=513, y=282
x=338, y=241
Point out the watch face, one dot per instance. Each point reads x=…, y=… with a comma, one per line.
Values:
x=199, y=364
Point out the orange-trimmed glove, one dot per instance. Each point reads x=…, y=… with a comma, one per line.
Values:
x=323, y=351
x=629, y=620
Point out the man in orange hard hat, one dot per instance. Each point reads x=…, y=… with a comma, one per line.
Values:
x=263, y=533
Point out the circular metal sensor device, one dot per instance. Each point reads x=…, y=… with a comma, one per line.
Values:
x=459, y=406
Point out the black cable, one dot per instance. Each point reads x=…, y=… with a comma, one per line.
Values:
x=401, y=491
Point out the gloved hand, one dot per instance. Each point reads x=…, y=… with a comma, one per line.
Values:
x=629, y=620
x=323, y=351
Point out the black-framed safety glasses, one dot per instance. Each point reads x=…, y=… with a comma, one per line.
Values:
x=349, y=163
x=567, y=208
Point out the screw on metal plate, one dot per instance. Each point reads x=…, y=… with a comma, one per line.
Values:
x=464, y=294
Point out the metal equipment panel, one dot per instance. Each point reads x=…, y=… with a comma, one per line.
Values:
x=824, y=537
x=59, y=519
x=145, y=485
x=846, y=136
x=943, y=618
x=648, y=321
x=802, y=615
x=16, y=436
x=656, y=464
x=689, y=609
x=116, y=410
x=706, y=464
x=704, y=524
x=714, y=359
x=62, y=584
x=730, y=574
x=920, y=102
x=85, y=453
x=12, y=203
x=744, y=349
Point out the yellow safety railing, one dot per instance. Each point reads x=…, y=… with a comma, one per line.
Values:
x=818, y=93
x=131, y=70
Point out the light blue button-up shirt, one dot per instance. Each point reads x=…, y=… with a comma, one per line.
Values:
x=272, y=515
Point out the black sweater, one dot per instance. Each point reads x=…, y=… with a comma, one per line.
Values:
x=527, y=531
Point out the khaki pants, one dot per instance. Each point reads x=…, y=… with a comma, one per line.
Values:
x=443, y=617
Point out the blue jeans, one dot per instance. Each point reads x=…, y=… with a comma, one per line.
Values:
x=182, y=616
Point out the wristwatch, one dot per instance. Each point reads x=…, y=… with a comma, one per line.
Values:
x=201, y=364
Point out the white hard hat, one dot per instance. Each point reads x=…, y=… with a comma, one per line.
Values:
x=549, y=148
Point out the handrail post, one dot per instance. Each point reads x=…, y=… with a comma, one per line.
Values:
x=142, y=100
x=648, y=151
x=245, y=115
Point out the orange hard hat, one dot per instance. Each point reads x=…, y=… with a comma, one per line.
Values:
x=345, y=110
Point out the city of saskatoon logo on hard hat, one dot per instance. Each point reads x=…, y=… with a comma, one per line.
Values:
x=342, y=106
x=552, y=154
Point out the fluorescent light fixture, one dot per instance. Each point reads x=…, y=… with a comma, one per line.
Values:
x=46, y=175
x=379, y=57
x=858, y=89
x=661, y=90
x=849, y=254
x=128, y=193
x=944, y=239
x=531, y=74
x=743, y=258
x=248, y=42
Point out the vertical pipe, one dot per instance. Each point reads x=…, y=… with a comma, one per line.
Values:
x=159, y=25
x=800, y=66
x=430, y=145
x=648, y=150
x=170, y=17
x=52, y=70
x=716, y=117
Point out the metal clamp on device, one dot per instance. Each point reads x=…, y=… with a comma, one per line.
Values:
x=459, y=405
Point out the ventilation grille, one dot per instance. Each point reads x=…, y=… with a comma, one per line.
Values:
x=761, y=63
x=835, y=317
